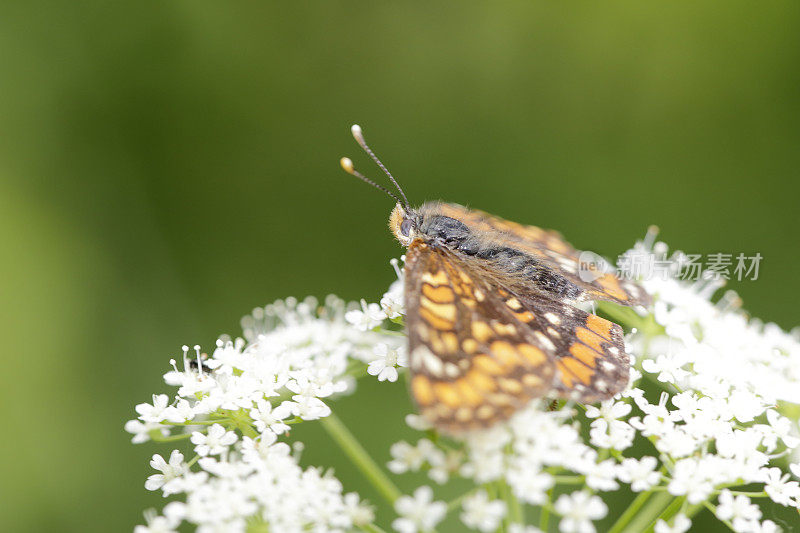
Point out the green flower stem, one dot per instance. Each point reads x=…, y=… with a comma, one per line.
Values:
x=630, y=512
x=544, y=516
x=455, y=502
x=156, y=436
x=516, y=513
x=568, y=480
x=713, y=510
x=371, y=528
x=761, y=494
x=649, y=513
x=196, y=422
x=353, y=449
x=672, y=509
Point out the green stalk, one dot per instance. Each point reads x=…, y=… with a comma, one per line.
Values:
x=649, y=513
x=630, y=512
x=672, y=509
x=353, y=449
x=544, y=515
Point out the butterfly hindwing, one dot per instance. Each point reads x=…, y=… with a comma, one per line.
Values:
x=590, y=359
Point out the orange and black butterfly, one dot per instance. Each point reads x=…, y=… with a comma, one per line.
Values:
x=490, y=318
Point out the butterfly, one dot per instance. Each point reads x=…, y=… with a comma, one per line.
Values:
x=490, y=314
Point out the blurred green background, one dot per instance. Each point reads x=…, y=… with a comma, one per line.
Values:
x=167, y=166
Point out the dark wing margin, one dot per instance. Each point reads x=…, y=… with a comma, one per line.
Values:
x=550, y=249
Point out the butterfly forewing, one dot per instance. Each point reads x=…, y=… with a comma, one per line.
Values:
x=473, y=362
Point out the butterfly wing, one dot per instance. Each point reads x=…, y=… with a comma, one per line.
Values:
x=550, y=250
x=473, y=362
x=590, y=359
x=478, y=351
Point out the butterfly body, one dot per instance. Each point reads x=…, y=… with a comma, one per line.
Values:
x=490, y=313
x=490, y=317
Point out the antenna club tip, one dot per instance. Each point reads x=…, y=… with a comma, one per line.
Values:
x=346, y=164
x=355, y=129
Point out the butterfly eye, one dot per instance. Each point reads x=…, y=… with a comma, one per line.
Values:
x=406, y=226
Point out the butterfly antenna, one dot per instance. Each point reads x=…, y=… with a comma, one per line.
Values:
x=355, y=129
x=347, y=166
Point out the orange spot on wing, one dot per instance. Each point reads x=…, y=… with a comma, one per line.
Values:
x=533, y=354
x=591, y=339
x=488, y=365
x=577, y=369
x=447, y=394
x=434, y=320
x=481, y=331
x=480, y=381
x=601, y=326
x=505, y=353
x=611, y=286
x=525, y=316
x=567, y=378
x=423, y=392
x=584, y=354
x=468, y=392
x=440, y=295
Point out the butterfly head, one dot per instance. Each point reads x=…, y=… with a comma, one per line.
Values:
x=404, y=223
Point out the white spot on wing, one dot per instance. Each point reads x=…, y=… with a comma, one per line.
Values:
x=544, y=340
x=423, y=358
x=553, y=318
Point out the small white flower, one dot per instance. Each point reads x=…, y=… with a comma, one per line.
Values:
x=359, y=512
x=265, y=417
x=767, y=526
x=309, y=408
x=779, y=488
x=737, y=509
x=641, y=474
x=601, y=476
x=368, y=317
x=609, y=409
x=614, y=434
x=215, y=442
x=385, y=362
x=680, y=524
x=480, y=513
x=418, y=513
x=180, y=412
x=781, y=429
x=392, y=302
x=156, y=524
x=154, y=412
x=407, y=457
x=420, y=423
x=171, y=472
x=578, y=510
x=669, y=367
x=530, y=487
x=141, y=431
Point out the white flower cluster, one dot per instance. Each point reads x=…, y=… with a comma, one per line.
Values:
x=233, y=406
x=708, y=402
x=716, y=425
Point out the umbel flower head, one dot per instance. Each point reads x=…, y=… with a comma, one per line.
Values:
x=708, y=425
